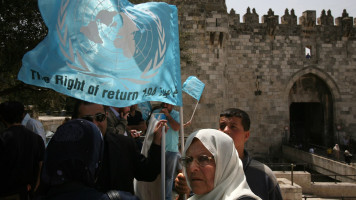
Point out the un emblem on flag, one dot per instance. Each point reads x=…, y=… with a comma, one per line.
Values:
x=111, y=37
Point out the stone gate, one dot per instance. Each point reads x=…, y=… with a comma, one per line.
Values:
x=262, y=68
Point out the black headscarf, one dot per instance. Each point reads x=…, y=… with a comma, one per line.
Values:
x=74, y=153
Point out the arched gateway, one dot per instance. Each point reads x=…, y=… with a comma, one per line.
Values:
x=311, y=99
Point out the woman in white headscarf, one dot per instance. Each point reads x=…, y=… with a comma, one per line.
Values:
x=213, y=168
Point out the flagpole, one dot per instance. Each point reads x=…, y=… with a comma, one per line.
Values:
x=181, y=130
x=163, y=163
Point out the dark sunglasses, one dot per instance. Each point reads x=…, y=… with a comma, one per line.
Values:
x=201, y=160
x=97, y=117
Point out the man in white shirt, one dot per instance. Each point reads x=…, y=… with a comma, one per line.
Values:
x=35, y=126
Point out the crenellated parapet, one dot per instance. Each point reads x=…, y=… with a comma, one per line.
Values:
x=345, y=22
x=211, y=17
x=289, y=19
x=308, y=19
x=272, y=21
x=250, y=18
x=233, y=17
x=326, y=20
x=309, y=25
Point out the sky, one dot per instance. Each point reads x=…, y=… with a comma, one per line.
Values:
x=299, y=6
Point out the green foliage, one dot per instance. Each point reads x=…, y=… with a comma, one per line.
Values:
x=22, y=28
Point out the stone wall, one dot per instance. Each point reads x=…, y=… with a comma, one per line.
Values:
x=289, y=191
x=321, y=164
x=302, y=184
x=254, y=66
x=301, y=178
x=51, y=123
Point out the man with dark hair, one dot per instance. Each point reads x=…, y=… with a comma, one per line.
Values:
x=135, y=120
x=21, y=154
x=236, y=123
x=122, y=160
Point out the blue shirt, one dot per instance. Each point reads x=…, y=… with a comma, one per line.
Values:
x=172, y=136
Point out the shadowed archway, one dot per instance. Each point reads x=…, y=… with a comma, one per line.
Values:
x=311, y=112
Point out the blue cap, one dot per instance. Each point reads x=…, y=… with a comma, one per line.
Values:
x=74, y=153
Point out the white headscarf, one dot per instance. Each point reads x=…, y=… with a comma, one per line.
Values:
x=230, y=182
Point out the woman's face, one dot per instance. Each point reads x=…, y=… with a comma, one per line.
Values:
x=201, y=178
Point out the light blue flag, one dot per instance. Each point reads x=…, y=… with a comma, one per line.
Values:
x=109, y=52
x=194, y=87
x=145, y=108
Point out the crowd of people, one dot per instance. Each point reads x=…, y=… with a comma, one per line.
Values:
x=97, y=155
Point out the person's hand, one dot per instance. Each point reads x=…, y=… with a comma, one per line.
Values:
x=135, y=133
x=188, y=123
x=158, y=131
x=165, y=111
x=181, y=185
x=124, y=115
